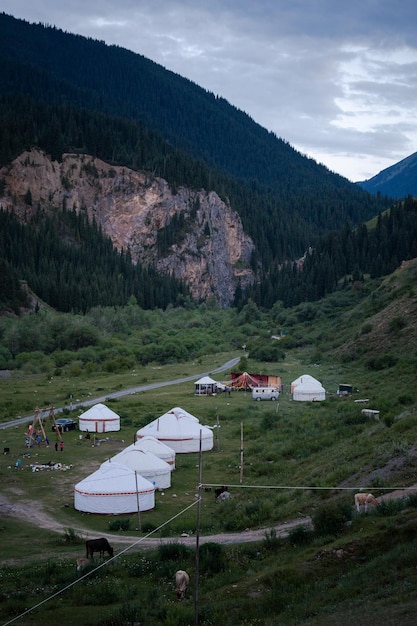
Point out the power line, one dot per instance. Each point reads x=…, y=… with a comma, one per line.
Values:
x=310, y=488
x=110, y=560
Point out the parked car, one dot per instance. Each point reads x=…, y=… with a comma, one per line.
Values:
x=265, y=393
x=65, y=424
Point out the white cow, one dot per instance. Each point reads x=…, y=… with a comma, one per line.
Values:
x=182, y=581
x=365, y=499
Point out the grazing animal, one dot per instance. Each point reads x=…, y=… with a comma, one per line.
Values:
x=81, y=563
x=98, y=545
x=220, y=490
x=225, y=495
x=182, y=581
x=365, y=499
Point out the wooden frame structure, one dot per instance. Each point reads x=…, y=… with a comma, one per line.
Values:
x=40, y=425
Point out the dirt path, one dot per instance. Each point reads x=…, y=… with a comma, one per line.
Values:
x=35, y=512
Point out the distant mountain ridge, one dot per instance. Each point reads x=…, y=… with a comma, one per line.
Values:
x=66, y=94
x=397, y=181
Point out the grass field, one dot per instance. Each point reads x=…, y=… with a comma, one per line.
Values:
x=299, y=459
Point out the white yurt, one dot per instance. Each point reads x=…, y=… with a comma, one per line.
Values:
x=179, y=430
x=305, y=378
x=99, y=419
x=309, y=392
x=146, y=464
x=114, y=489
x=157, y=448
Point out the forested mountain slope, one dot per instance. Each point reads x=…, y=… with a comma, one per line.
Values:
x=397, y=181
x=64, y=92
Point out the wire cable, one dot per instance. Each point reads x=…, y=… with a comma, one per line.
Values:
x=104, y=564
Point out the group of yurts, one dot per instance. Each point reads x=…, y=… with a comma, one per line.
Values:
x=127, y=482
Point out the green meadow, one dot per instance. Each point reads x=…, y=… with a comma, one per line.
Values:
x=300, y=460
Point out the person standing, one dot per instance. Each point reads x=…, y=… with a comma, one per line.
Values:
x=56, y=446
x=61, y=446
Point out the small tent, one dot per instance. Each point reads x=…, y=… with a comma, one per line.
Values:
x=99, y=419
x=146, y=464
x=206, y=386
x=114, y=489
x=179, y=430
x=309, y=390
x=157, y=448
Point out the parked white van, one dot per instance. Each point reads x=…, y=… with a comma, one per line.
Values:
x=265, y=393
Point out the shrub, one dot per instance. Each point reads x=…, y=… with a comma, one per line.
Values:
x=397, y=324
x=120, y=524
x=271, y=541
x=387, y=508
x=382, y=362
x=70, y=536
x=212, y=558
x=412, y=500
x=300, y=536
x=173, y=552
x=388, y=420
x=331, y=518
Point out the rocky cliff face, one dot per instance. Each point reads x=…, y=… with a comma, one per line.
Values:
x=192, y=234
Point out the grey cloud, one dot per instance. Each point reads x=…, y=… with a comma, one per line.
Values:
x=318, y=73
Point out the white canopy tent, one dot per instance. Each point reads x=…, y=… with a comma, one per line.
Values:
x=157, y=448
x=179, y=430
x=99, y=419
x=114, y=489
x=146, y=464
x=206, y=386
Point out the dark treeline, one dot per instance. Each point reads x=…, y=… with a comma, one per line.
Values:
x=344, y=255
x=64, y=92
x=71, y=266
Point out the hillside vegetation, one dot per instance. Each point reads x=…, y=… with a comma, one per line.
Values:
x=301, y=461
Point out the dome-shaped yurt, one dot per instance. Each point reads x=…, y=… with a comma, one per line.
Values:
x=305, y=378
x=310, y=390
x=179, y=430
x=114, y=489
x=159, y=449
x=99, y=419
x=146, y=464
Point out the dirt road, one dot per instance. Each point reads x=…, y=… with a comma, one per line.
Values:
x=34, y=511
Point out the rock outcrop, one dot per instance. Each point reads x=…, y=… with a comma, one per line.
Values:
x=192, y=234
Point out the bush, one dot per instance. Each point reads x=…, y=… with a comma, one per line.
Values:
x=300, y=536
x=173, y=552
x=388, y=508
x=382, y=362
x=330, y=519
x=70, y=536
x=271, y=541
x=120, y=524
x=412, y=500
x=148, y=527
x=212, y=558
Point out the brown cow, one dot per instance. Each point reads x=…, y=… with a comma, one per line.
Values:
x=98, y=545
x=365, y=499
x=182, y=581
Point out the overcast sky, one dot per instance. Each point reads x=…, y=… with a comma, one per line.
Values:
x=336, y=79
